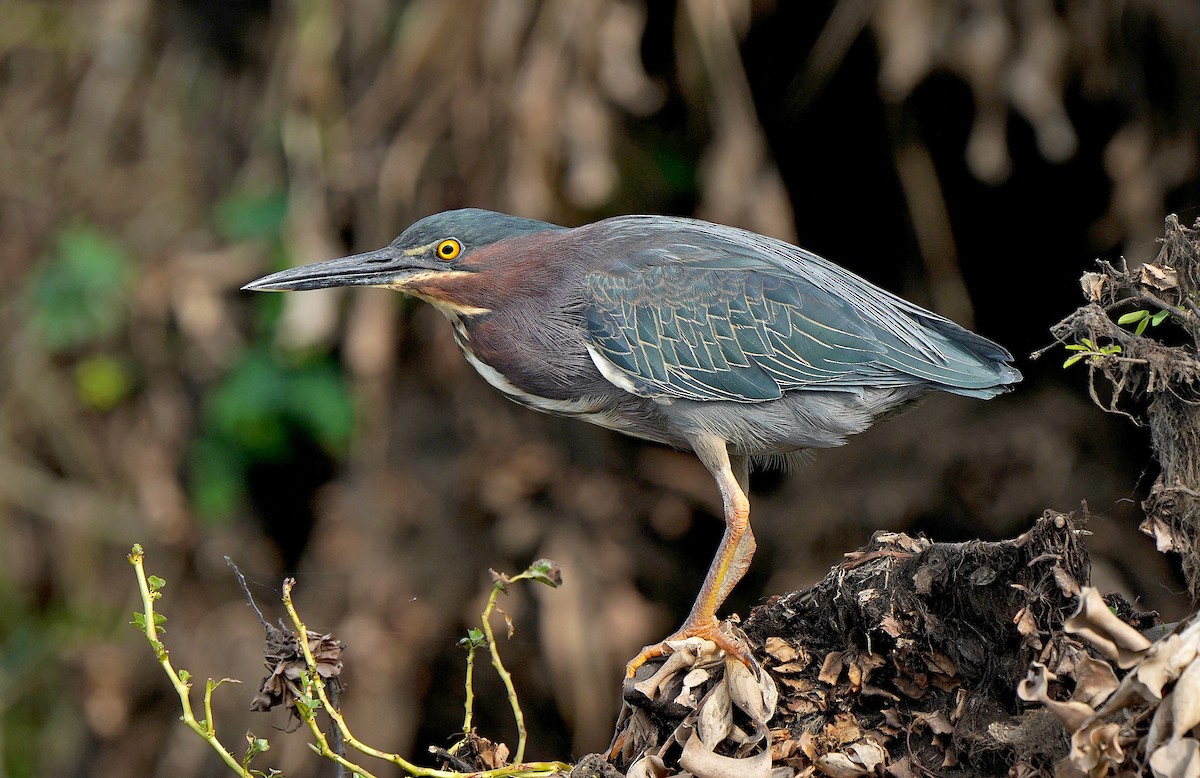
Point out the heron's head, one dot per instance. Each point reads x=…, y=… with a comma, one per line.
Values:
x=438, y=245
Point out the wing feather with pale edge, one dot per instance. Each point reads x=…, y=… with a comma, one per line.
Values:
x=740, y=329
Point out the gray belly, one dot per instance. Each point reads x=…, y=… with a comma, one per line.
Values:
x=801, y=419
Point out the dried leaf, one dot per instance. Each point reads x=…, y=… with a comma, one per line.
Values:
x=286, y=662
x=844, y=729
x=1035, y=689
x=901, y=768
x=1158, y=277
x=839, y=765
x=1094, y=680
x=831, y=668
x=1168, y=659
x=1166, y=538
x=684, y=654
x=1026, y=626
x=889, y=625
x=909, y=687
x=923, y=580
x=870, y=754
x=753, y=691
x=1066, y=582
x=1185, y=701
x=649, y=766
x=1094, y=622
x=939, y=662
x=1179, y=759
x=936, y=721
x=1096, y=749
x=961, y=698
x=696, y=677
x=698, y=760
x=1093, y=286
x=507, y=621
x=854, y=676
x=781, y=649
x=715, y=719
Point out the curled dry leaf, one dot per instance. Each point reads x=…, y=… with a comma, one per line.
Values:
x=752, y=690
x=649, y=766
x=684, y=654
x=1094, y=680
x=1163, y=663
x=694, y=679
x=716, y=716
x=1185, y=701
x=1095, y=623
x=1158, y=277
x=1093, y=286
x=780, y=649
x=1179, y=759
x=839, y=765
x=722, y=694
x=1167, y=539
x=1035, y=688
x=1096, y=749
x=286, y=662
x=698, y=760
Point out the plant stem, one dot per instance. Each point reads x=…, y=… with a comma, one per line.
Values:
x=517, y=770
x=208, y=729
x=469, y=699
x=502, y=672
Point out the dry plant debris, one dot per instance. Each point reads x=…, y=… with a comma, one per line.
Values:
x=1143, y=724
x=718, y=709
x=1158, y=377
x=287, y=667
x=903, y=661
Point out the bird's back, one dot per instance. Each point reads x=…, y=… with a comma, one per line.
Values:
x=693, y=310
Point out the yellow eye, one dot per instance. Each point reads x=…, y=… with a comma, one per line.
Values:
x=449, y=249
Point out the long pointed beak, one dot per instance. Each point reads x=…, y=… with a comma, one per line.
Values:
x=381, y=267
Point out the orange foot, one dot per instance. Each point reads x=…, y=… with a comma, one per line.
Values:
x=706, y=630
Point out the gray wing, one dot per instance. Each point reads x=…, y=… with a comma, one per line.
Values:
x=738, y=328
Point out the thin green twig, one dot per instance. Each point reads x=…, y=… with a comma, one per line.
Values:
x=505, y=676
x=317, y=684
x=313, y=684
x=205, y=729
x=473, y=640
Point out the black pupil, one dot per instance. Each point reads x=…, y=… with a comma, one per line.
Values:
x=447, y=248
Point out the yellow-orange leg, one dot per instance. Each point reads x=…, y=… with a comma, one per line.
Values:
x=732, y=558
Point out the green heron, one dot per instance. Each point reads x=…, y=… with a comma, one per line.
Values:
x=703, y=337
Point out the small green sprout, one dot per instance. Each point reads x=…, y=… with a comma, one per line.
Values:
x=1143, y=319
x=1087, y=348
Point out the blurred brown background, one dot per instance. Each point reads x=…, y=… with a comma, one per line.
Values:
x=972, y=156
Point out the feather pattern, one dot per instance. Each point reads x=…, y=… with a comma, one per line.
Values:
x=716, y=313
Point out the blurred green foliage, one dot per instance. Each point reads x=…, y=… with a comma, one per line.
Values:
x=102, y=382
x=248, y=215
x=81, y=295
x=268, y=399
x=253, y=415
x=38, y=634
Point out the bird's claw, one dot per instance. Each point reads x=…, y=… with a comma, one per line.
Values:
x=725, y=640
